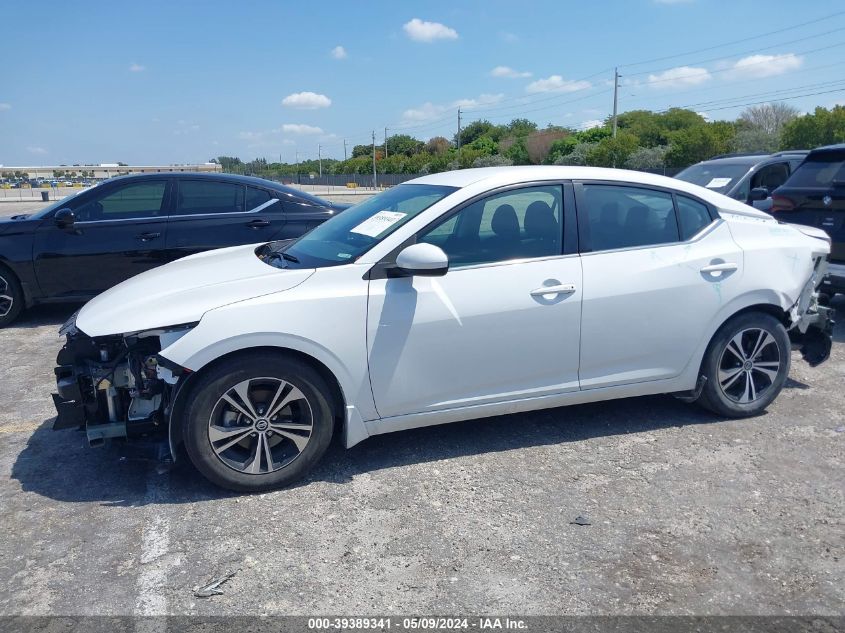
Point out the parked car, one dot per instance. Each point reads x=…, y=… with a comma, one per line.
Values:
x=84, y=244
x=815, y=196
x=749, y=178
x=457, y=295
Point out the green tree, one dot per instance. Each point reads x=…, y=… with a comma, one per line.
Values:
x=230, y=163
x=475, y=130
x=699, y=142
x=362, y=150
x=822, y=127
x=520, y=127
x=613, y=152
x=644, y=158
x=403, y=144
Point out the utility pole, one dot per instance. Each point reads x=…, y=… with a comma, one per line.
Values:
x=615, y=106
x=320, y=158
x=385, y=142
x=615, y=97
x=459, y=133
x=375, y=180
x=344, y=149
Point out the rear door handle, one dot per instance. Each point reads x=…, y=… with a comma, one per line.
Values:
x=553, y=290
x=146, y=237
x=719, y=268
x=258, y=223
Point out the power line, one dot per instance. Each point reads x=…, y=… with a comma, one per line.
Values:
x=792, y=27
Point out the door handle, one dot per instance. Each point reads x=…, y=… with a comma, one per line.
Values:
x=258, y=223
x=720, y=268
x=146, y=237
x=553, y=290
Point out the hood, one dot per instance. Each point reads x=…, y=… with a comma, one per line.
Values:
x=182, y=291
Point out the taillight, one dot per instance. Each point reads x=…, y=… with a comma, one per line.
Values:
x=782, y=203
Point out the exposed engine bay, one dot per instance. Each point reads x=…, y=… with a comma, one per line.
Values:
x=115, y=386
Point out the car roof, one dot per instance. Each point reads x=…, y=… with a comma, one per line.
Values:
x=837, y=147
x=492, y=177
x=196, y=175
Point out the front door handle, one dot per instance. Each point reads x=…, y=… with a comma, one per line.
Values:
x=146, y=237
x=724, y=267
x=561, y=289
x=258, y=223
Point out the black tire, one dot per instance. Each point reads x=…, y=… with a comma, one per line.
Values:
x=738, y=391
x=11, y=297
x=207, y=413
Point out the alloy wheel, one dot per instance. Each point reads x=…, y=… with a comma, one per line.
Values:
x=749, y=365
x=260, y=425
x=6, y=299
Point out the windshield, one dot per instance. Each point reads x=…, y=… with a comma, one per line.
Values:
x=349, y=235
x=716, y=176
x=821, y=170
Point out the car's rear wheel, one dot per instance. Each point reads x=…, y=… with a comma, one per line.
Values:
x=746, y=365
x=11, y=297
x=258, y=421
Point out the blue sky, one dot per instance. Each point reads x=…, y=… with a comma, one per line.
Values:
x=183, y=81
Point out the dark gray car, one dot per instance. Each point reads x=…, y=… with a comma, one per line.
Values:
x=750, y=178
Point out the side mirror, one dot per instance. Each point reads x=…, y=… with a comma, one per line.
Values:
x=758, y=194
x=64, y=218
x=423, y=260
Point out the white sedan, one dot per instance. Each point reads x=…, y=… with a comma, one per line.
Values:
x=458, y=295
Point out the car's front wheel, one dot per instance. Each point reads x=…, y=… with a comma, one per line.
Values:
x=746, y=365
x=258, y=421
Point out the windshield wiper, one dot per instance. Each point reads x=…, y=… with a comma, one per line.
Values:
x=289, y=257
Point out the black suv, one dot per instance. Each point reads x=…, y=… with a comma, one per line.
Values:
x=749, y=178
x=86, y=243
x=815, y=195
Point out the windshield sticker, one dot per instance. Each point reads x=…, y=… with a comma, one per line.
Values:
x=718, y=183
x=378, y=223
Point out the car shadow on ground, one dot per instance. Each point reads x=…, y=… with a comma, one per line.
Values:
x=48, y=314
x=59, y=465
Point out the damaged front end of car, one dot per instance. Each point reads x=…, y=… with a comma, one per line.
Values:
x=117, y=387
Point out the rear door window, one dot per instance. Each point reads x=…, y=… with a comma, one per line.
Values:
x=694, y=216
x=202, y=197
x=627, y=217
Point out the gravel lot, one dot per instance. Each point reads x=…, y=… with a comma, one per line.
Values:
x=690, y=514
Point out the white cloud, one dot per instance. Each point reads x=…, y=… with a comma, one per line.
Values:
x=422, y=31
x=306, y=101
x=589, y=125
x=5, y=106
x=680, y=76
x=755, y=66
x=428, y=110
x=510, y=38
x=510, y=73
x=136, y=68
x=556, y=83
x=300, y=128
x=34, y=149
x=338, y=52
